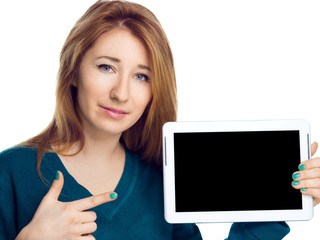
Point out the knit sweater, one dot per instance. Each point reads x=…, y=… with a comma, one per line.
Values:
x=137, y=213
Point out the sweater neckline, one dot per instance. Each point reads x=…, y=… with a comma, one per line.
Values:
x=77, y=191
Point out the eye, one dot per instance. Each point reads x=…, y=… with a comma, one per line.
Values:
x=142, y=77
x=105, y=68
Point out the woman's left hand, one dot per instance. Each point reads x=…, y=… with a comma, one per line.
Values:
x=308, y=178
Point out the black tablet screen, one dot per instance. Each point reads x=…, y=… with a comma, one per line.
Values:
x=236, y=171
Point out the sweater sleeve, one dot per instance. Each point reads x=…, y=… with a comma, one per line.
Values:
x=7, y=204
x=186, y=232
x=258, y=231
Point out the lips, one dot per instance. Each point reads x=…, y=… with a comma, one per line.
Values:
x=114, y=113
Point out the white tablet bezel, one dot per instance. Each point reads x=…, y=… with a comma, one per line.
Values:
x=230, y=126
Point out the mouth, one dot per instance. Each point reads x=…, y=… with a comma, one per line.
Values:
x=114, y=113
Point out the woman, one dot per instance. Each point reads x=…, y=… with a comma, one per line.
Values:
x=102, y=150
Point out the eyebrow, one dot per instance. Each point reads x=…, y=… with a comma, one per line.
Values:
x=144, y=67
x=117, y=60
x=113, y=59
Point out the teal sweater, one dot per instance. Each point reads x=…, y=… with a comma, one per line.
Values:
x=136, y=214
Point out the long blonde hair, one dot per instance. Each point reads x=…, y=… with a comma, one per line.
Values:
x=145, y=136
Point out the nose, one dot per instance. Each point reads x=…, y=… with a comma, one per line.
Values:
x=120, y=90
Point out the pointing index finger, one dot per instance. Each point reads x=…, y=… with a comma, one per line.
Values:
x=94, y=201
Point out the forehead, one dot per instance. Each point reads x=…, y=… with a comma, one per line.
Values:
x=120, y=43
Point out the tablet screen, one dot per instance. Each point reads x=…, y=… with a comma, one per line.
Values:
x=236, y=171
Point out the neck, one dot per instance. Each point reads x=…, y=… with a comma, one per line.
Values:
x=96, y=149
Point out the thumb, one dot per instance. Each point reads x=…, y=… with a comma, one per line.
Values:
x=314, y=147
x=56, y=186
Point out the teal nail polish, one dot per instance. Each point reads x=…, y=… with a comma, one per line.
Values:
x=303, y=189
x=295, y=183
x=113, y=195
x=302, y=167
x=295, y=176
x=57, y=175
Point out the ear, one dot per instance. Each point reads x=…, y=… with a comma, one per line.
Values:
x=74, y=83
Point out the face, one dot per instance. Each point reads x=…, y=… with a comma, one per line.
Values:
x=114, y=83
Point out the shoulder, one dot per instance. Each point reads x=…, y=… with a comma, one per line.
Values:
x=149, y=175
x=17, y=157
x=147, y=168
x=17, y=153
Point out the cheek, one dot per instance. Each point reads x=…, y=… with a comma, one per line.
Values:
x=83, y=96
x=140, y=98
x=87, y=96
x=90, y=89
x=144, y=98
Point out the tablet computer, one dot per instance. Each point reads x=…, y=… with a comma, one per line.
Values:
x=234, y=171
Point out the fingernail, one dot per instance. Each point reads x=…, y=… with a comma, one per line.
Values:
x=302, y=167
x=295, y=183
x=113, y=195
x=303, y=189
x=295, y=176
x=57, y=175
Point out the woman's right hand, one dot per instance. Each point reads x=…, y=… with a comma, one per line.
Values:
x=55, y=220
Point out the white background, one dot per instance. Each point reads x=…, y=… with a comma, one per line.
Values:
x=234, y=60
